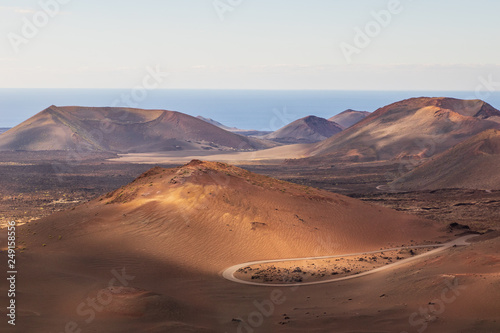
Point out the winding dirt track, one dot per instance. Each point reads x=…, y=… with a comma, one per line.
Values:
x=228, y=273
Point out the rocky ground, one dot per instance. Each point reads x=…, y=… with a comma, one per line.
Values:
x=476, y=209
x=34, y=185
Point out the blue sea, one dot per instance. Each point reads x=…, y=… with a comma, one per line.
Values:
x=245, y=109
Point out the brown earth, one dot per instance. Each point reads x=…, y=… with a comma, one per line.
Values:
x=168, y=296
x=183, y=224
x=165, y=296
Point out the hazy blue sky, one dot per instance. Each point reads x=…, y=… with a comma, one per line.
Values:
x=264, y=44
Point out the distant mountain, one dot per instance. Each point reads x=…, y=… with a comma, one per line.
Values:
x=216, y=123
x=121, y=130
x=239, y=131
x=349, y=117
x=413, y=128
x=305, y=130
x=252, y=133
x=473, y=164
x=4, y=129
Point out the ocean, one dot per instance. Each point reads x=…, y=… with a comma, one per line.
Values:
x=245, y=109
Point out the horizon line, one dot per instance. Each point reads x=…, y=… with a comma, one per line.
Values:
x=244, y=89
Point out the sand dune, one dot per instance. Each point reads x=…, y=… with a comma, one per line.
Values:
x=414, y=128
x=121, y=130
x=471, y=164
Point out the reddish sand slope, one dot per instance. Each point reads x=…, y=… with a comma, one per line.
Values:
x=207, y=215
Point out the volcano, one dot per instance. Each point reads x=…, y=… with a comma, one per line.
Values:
x=121, y=130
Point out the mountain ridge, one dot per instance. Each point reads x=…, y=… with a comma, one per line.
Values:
x=412, y=128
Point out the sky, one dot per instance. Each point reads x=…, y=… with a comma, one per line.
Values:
x=250, y=44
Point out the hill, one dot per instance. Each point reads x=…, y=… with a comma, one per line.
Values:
x=121, y=130
x=206, y=215
x=472, y=164
x=349, y=117
x=153, y=250
x=413, y=128
x=305, y=130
